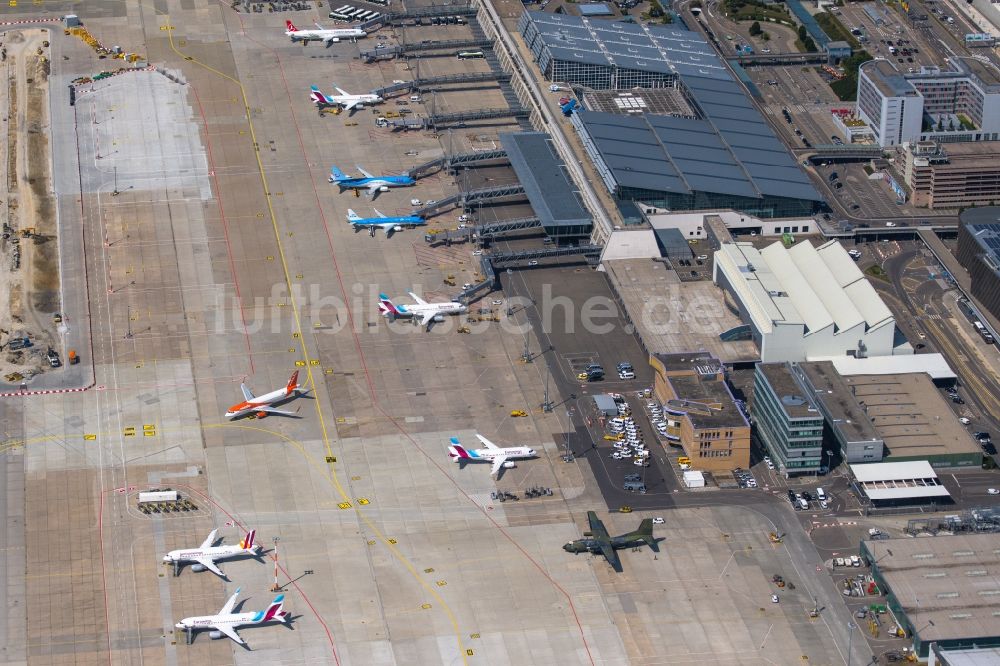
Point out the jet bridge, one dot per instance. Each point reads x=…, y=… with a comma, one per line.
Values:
x=408, y=50
x=467, y=199
x=484, y=232
x=435, y=82
x=591, y=252
x=453, y=163
x=440, y=121
x=397, y=18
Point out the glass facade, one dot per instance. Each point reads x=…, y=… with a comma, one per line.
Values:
x=795, y=444
x=765, y=207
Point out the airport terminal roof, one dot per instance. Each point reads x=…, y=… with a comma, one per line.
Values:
x=898, y=480
x=549, y=189
x=888, y=79
x=815, y=287
x=730, y=150
x=838, y=403
x=983, y=225
x=947, y=586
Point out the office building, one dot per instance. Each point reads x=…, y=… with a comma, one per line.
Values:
x=957, y=105
x=701, y=411
x=979, y=253
x=786, y=419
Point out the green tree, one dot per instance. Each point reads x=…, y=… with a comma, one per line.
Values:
x=803, y=34
x=755, y=29
x=766, y=37
x=809, y=44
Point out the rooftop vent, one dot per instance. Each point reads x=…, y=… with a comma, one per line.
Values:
x=792, y=400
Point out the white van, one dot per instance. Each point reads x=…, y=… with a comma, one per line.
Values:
x=414, y=98
x=820, y=495
x=803, y=504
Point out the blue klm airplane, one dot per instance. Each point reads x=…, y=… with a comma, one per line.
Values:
x=387, y=224
x=366, y=181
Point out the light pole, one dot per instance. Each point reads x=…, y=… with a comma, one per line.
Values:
x=547, y=404
x=850, y=640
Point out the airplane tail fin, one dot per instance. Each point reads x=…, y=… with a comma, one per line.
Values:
x=274, y=611
x=291, y=26
x=336, y=175
x=248, y=540
x=293, y=382
x=645, y=534
x=352, y=216
x=457, y=451
x=317, y=96
x=386, y=305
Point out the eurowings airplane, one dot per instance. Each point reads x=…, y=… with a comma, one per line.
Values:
x=226, y=622
x=345, y=99
x=327, y=35
x=492, y=453
x=204, y=556
x=387, y=224
x=366, y=181
x=260, y=406
x=427, y=312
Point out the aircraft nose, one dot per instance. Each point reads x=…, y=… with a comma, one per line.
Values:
x=568, y=547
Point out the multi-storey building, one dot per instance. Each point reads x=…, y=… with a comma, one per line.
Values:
x=712, y=429
x=948, y=106
x=953, y=175
x=786, y=420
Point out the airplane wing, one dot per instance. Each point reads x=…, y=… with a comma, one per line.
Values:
x=210, y=565
x=417, y=299
x=611, y=556
x=247, y=393
x=379, y=213
x=597, y=528
x=229, y=631
x=363, y=172
x=426, y=318
x=228, y=608
x=272, y=410
x=487, y=443
x=373, y=188
x=497, y=464
x=210, y=540
x=342, y=91
x=348, y=106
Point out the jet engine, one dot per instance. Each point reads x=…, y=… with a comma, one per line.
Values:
x=384, y=188
x=439, y=318
x=215, y=635
x=398, y=227
x=197, y=567
x=261, y=415
x=509, y=465
x=335, y=40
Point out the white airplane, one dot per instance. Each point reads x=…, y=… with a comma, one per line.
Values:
x=205, y=555
x=426, y=311
x=492, y=453
x=226, y=622
x=260, y=406
x=328, y=35
x=345, y=99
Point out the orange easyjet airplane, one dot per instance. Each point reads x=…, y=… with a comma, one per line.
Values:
x=261, y=406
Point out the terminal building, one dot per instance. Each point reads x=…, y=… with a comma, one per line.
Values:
x=695, y=142
x=979, y=253
x=948, y=106
x=806, y=303
x=944, y=591
x=548, y=187
x=701, y=412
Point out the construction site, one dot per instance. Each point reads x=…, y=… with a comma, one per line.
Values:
x=29, y=278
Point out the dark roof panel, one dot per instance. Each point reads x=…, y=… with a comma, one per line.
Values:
x=543, y=175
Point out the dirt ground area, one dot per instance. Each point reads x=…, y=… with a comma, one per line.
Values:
x=29, y=251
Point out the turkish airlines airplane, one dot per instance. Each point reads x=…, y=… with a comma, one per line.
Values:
x=492, y=453
x=321, y=34
x=226, y=622
x=207, y=553
x=260, y=406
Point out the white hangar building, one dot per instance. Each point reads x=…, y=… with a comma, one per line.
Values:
x=806, y=303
